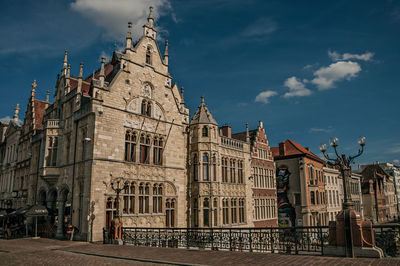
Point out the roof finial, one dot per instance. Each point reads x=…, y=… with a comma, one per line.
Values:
x=65, y=62
x=16, y=111
x=102, y=75
x=69, y=71
x=202, y=99
x=81, y=71
x=47, y=96
x=129, y=36
x=34, y=85
x=150, y=14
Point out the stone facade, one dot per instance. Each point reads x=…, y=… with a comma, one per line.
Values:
x=333, y=183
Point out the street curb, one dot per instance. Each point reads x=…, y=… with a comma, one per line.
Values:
x=133, y=259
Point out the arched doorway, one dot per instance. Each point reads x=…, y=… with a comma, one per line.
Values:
x=63, y=212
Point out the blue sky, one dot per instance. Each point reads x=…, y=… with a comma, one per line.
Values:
x=308, y=69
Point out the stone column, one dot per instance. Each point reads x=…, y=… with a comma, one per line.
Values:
x=60, y=223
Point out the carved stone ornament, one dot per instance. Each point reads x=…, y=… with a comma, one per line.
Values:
x=146, y=91
x=133, y=106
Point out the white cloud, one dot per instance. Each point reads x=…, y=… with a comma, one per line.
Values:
x=324, y=130
x=335, y=56
x=263, y=97
x=296, y=88
x=260, y=29
x=5, y=119
x=114, y=15
x=327, y=76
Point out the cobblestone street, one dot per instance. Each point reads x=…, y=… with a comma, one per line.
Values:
x=54, y=252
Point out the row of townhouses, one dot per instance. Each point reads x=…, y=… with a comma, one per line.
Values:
x=129, y=120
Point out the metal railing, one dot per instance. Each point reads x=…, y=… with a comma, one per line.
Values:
x=387, y=237
x=295, y=240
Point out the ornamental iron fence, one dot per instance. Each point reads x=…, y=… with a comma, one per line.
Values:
x=306, y=240
x=295, y=240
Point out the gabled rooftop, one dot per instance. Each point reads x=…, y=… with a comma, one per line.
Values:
x=289, y=148
x=203, y=115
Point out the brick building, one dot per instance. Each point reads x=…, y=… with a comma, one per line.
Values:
x=300, y=186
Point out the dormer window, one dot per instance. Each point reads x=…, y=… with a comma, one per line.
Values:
x=148, y=56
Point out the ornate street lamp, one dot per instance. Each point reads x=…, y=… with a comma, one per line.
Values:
x=117, y=185
x=344, y=164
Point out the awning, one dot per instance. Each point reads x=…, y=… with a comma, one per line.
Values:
x=37, y=210
x=19, y=211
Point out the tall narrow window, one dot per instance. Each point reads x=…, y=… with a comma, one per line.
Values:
x=130, y=146
x=225, y=209
x=68, y=148
x=131, y=198
x=214, y=168
x=144, y=149
x=224, y=170
x=241, y=211
x=195, y=213
x=195, y=167
x=205, y=131
x=141, y=198
x=52, y=151
x=125, y=197
x=312, y=197
x=232, y=172
x=157, y=198
x=148, y=56
x=146, y=108
x=215, y=212
x=240, y=172
x=205, y=167
x=157, y=151
x=233, y=211
x=147, y=198
x=206, y=213
x=170, y=213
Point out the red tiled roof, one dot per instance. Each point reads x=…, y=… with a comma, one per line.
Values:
x=40, y=107
x=293, y=148
x=108, y=69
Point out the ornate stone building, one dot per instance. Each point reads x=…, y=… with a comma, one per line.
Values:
x=265, y=213
x=129, y=120
x=219, y=171
x=333, y=183
x=10, y=134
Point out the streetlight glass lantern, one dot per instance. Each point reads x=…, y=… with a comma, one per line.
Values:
x=323, y=147
x=334, y=141
x=362, y=140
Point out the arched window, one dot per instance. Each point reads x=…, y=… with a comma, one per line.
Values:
x=241, y=211
x=145, y=108
x=206, y=213
x=170, y=213
x=144, y=149
x=195, y=168
x=157, y=198
x=148, y=56
x=130, y=146
x=205, y=167
x=205, y=131
x=157, y=151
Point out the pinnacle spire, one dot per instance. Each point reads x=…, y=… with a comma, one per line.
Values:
x=166, y=53
x=202, y=99
x=33, y=92
x=65, y=62
x=16, y=111
x=47, y=96
x=247, y=132
x=81, y=71
x=150, y=18
x=79, y=88
x=129, y=36
x=182, y=95
x=203, y=115
x=102, y=75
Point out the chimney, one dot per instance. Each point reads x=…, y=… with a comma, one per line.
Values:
x=226, y=131
x=282, y=148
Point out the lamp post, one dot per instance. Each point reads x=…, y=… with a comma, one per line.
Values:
x=117, y=185
x=344, y=164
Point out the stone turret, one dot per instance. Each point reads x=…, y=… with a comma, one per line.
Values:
x=148, y=28
x=16, y=111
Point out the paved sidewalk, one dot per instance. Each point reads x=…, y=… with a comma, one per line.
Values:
x=54, y=252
